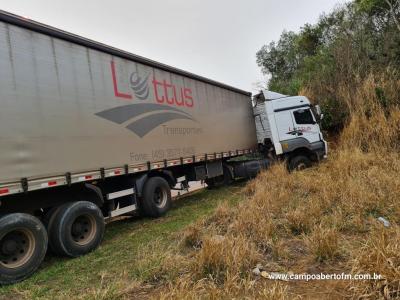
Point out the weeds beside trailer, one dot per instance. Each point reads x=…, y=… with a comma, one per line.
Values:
x=89, y=131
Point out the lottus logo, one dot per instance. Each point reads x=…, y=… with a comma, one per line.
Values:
x=144, y=117
x=162, y=89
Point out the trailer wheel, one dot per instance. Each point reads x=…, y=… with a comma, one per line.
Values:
x=156, y=197
x=23, y=245
x=299, y=163
x=48, y=220
x=76, y=228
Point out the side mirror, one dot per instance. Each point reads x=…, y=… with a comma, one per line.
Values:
x=318, y=111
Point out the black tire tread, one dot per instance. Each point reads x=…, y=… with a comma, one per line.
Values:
x=294, y=161
x=56, y=226
x=148, y=207
x=41, y=239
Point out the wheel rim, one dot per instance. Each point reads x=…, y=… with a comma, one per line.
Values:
x=160, y=197
x=301, y=166
x=16, y=248
x=83, y=229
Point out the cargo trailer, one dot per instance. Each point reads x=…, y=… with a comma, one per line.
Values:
x=90, y=132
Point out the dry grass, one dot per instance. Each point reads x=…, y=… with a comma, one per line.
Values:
x=234, y=288
x=320, y=220
x=323, y=243
x=379, y=254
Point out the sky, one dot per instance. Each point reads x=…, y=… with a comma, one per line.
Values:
x=217, y=39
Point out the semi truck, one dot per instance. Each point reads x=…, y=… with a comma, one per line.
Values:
x=90, y=132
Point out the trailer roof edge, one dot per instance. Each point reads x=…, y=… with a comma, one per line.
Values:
x=64, y=35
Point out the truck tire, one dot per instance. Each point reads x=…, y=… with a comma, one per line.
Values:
x=156, y=200
x=299, y=162
x=48, y=220
x=23, y=246
x=75, y=228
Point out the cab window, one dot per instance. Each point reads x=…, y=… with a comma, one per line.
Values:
x=303, y=116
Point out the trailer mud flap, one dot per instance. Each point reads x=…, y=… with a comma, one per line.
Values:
x=214, y=169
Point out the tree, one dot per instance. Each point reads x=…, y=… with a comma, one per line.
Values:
x=389, y=9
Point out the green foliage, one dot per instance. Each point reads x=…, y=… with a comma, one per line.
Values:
x=280, y=58
x=376, y=7
x=327, y=60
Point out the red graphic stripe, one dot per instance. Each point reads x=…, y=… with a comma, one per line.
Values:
x=114, y=78
x=4, y=191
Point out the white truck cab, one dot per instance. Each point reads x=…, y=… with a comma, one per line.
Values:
x=287, y=126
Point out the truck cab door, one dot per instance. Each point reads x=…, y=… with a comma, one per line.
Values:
x=305, y=125
x=285, y=125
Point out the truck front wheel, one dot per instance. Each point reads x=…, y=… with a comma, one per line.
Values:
x=23, y=245
x=156, y=200
x=76, y=228
x=299, y=162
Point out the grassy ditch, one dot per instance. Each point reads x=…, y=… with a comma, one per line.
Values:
x=132, y=249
